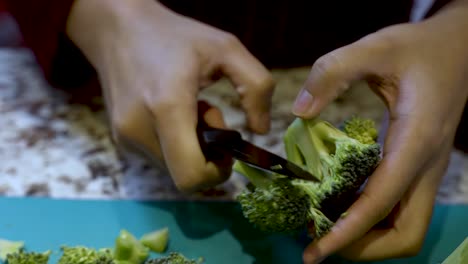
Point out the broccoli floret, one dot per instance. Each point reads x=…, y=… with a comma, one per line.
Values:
x=361, y=129
x=9, y=247
x=25, y=257
x=85, y=255
x=174, y=258
x=339, y=160
x=272, y=194
x=157, y=240
x=129, y=250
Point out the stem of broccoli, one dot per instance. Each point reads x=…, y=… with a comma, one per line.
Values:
x=257, y=177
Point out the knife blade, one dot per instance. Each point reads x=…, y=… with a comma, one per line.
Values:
x=215, y=142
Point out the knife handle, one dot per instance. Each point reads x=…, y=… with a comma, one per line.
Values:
x=216, y=142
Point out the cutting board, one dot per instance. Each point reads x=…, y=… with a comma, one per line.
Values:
x=216, y=231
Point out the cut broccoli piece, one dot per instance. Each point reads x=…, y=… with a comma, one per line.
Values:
x=25, y=257
x=85, y=255
x=157, y=240
x=459, y=255
x=129, y=250
x=341, y=161
x=174, y=258
x=9, y=247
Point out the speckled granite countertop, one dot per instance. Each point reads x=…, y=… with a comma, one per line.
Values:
x=51, y=148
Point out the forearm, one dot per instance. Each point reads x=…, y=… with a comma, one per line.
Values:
x=457, y=11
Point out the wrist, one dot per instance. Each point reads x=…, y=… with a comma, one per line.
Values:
x=94, y=25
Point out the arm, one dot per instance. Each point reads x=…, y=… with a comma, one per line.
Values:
x=419, y=70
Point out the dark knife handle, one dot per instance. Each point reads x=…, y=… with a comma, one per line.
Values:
x=215, y=142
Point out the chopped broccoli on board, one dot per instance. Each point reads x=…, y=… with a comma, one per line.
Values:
x=85, y=255
x=174, y=258
x=156, y=240
x=129, y=249
x=459, y=255
x=8, y=247
x=25, y=257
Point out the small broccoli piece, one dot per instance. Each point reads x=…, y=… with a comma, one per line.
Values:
x=174, y=258
x=361, y=129
x=25, y=257
x=459, y=255
x=341, y=162
x=157, y=240
x=129, y=250
x=9, y=247
x=85, y=255
x=272, y=194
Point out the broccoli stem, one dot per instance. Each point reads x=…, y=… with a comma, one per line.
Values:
x=257, y=177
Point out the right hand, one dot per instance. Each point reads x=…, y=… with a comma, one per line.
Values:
x=152, y=63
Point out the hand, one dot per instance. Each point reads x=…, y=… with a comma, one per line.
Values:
x=419, y=70
x=152, y=63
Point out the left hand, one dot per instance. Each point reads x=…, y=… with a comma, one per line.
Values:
x=421, y=73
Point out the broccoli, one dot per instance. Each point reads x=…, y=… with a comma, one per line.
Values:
x=8, y=247
x=25, y=257
x=129, y=250
x=85, y=255
x=174, y=258
x=342, y=160
x=459, y=255
x=361, y=129
x=157, y=240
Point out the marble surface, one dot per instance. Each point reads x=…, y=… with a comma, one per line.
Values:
x=49, y=147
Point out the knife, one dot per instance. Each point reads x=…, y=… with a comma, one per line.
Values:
x=216, y=142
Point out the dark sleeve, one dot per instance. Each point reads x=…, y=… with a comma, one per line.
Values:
x=42, y=24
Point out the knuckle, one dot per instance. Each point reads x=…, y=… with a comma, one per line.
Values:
x=411, y=245
x=190, y=182
x=229, y=41
x=162, y=105
x=122, y=127
x=198, y=179
x=382, y=210
x=265, y=84
x=327, y=65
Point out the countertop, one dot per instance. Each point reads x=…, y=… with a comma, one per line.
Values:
x=51, y=148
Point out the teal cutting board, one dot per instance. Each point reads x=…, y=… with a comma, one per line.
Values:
x=215, y=230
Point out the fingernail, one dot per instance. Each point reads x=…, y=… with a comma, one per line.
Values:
x=303, y=102
x=312, y=259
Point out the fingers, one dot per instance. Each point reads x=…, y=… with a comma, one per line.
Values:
x=175, y=121
x=333, y=73
x=253, y=82
x=397, y=170
x=410, y=224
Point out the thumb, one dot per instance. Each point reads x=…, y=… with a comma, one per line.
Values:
x=333, y=73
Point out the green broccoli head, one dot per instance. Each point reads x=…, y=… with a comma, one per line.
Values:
x=26, y=257
x=340, y=161
x=85, y=255
x=272, y=195
x=174, y=258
